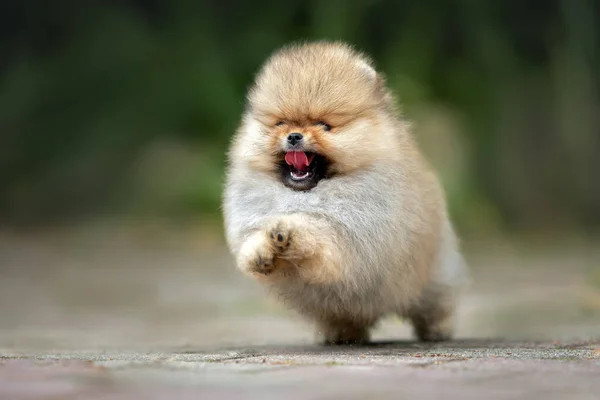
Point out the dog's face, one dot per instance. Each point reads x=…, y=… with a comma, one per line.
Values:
x=314, y=111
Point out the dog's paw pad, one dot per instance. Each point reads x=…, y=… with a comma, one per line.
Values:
x=263, y=265
x=280, y=237
x=257, y=256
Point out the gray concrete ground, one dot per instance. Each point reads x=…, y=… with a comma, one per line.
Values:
x=147, y=313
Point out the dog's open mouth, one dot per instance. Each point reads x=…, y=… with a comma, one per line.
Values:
x=299, y=163
x=303, y=170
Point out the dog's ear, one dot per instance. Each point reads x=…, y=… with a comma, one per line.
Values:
x=380, y=83
x=368, y=70
x=376, y=78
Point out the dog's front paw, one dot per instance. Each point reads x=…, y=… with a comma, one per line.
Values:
x=289, y=238
x=280, y=235
x=257, y=255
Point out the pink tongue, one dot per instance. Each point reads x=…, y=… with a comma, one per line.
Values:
x=298, y=159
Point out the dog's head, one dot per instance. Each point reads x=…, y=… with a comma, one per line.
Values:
x=315, y=110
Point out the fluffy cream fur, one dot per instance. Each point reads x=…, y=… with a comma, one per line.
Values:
x=372, y=238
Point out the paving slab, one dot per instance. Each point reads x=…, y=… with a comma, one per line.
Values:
x=105, y=314
x=466, y=369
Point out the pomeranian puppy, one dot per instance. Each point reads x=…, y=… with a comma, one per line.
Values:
x=329, y=202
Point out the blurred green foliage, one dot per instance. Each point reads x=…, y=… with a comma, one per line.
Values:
x=129, y=106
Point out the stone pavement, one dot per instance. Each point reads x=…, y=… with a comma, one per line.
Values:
x=469, y=369
x=105, y=313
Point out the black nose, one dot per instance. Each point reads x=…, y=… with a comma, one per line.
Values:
x=294, y=138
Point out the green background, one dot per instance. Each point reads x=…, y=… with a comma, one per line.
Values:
x=126, y=108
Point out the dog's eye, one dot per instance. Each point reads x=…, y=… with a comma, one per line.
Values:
x=323, y=125
x=280, y=123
